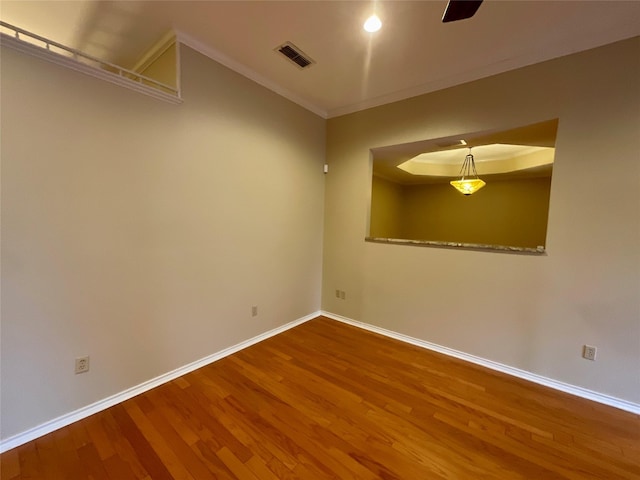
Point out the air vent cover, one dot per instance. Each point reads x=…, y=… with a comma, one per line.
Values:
x=294, y=54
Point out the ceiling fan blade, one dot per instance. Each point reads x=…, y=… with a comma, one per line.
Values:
x=460, y=9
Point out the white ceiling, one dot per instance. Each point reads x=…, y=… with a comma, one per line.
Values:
x=413, y=53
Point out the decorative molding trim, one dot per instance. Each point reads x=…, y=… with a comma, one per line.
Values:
x=504, y=65
x=246, y=72
x=478, y=247
x=161, y=46
x=516, y=372
x=69, y=62
x=84, y=412
x=178, y=65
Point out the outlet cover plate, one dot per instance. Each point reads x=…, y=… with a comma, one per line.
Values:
x=82, y=364
x=589, y=352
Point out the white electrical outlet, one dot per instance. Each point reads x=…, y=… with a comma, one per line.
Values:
x=82, y=364
x=254, y=311
x=337, y=293
x=589, y=352
x=343, y=295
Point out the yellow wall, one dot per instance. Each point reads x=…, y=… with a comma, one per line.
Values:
x=509, y=213
x=141, y=233
x=164, y=68
x=386, y=209
x=529, y=312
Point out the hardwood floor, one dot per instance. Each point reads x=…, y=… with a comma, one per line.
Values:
x=327, y=400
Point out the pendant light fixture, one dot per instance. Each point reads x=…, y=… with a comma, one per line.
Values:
x=469, y=182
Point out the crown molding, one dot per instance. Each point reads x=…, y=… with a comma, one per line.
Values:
x=237, y=67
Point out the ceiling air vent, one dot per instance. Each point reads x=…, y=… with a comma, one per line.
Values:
x=294, y=54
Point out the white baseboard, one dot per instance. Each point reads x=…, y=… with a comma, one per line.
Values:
x=516, y=372
x=84, y=412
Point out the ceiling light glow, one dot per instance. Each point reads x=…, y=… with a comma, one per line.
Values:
x=372, y=24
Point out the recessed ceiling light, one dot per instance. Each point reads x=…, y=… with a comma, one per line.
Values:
x=372, y=24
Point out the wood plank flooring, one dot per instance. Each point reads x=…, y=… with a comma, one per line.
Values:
x=329, y=401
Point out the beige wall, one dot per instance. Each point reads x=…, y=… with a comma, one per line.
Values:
x=510, y=212
x=141, y=233
x=528, y=312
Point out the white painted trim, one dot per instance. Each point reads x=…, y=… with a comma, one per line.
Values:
x=44, y=54
x=84, y=412
x=178, y=68
x=237, y=67
x=516, y=372
x=532, y=57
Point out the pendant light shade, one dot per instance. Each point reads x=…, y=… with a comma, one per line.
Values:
x=469, y=182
